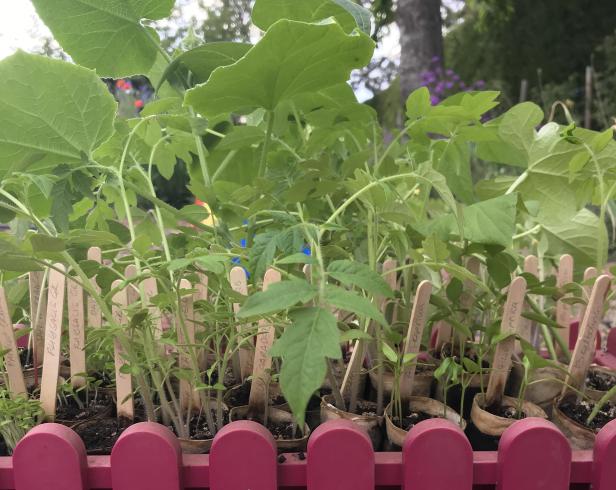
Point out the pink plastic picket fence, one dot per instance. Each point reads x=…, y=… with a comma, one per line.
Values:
x=533, y=455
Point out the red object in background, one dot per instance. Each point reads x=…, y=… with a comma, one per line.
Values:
x=199, y=202
x=138, y=103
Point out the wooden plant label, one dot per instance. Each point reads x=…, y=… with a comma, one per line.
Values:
x=412, y=343
x=531, y=266
x=563, y=310
x=185, y=326
x=95, y=317
x=443, y=335
x=262, y=361
x=510, y=323
x=132, y=292
x=584, y=350
x=124, y=382
x=76, y=333
x=53, y=338
x=353, y=370
x=12, y=364
x=201, y=294
x=38, y=308
x=237, y=278
x=150, y=289
x=589, y=274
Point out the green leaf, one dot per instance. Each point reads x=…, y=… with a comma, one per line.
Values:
x=292, y=58
x=278, y=296
x=45, y=243
x=298, y=258
x=354, y=334
x=578, y=236
x=348, y=301
x=304, y=347
x=356, y=274
x=241, y=137
x=518, y=125
x=76, y=116
x=107, y=35
x=418, y=103
x=346, y=12
x=202, y=61
x=389, y=353
x=435, y=249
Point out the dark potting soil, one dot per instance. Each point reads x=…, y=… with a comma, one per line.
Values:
x=598, y=380
x=280, y=430
x=241, y=395
x=365, y=408
x=100, y=435
x=228, y=379
x=411, y=419
x=505, y=412
x=579, y=412
x=198, y=428
x=70, y=411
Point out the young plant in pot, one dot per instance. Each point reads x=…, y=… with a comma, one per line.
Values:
x=289, y=436
x=578, y=417
x=405, y=409
x=492, y=413
x=18, y=414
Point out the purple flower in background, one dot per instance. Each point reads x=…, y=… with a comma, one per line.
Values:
x=434, y=99
x=436, y=59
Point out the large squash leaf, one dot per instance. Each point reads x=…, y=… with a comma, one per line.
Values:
x=346, y=12
x=50, y=112
x=292, y=58
x=107, y=35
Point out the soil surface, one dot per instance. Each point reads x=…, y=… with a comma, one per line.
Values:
x=411, y=419
x=598, y=380
x=365, y=408
x=70, y=411
x=241, y=395
x=280, y=430
x=228, y=379
x=198, y=428
x=579, y=412
x=505, y=412
x=100, y=435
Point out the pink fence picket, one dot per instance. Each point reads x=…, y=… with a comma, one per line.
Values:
x=147, y=456
x=604, y=455
x=534, y=455
x=340, y=457
x=437, y=456
x=243, y=456
x=50, y=457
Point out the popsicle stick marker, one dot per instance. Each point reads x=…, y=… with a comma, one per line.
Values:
x=563, y=310
x=53, y=340
x=124, y=382
x=510, y=324
x=237, y=278
x=132, y=292
x=584, y=350
x=76, y=333
x=589, y=274
x=95, y=317
x=531, y=266
x=12, y=365
x=186, y=338
x=262, y=361
x=38, y=308
x=412, y=343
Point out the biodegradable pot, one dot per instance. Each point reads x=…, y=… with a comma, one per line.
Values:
x=396, y=435
x=485, y=428
x=422, y=382
x=370, y=423
x=276, y=415
x=579, y=436
x=594, y=394
x=546, y=387
x=200, y=446
x=339, y=375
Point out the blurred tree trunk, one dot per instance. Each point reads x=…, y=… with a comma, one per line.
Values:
x=421, y=40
